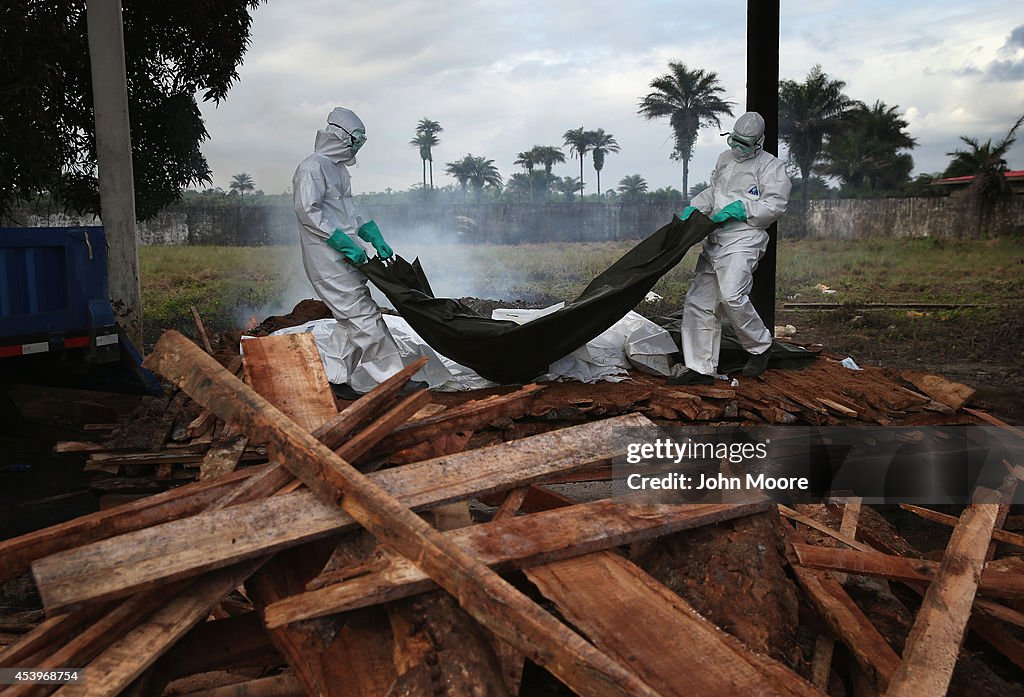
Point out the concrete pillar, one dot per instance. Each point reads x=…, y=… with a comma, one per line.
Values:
x=114, y=150
x=763, y=97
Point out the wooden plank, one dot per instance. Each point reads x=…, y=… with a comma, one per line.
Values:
x=367, y=407
x=995, y=421
x=846, y=620
x=118, y=566
x=676, y=651
x=201, y=330
x=993, y=581
x=821, y=527
x=824, y=647
x=288, y=372
x=133, y=652
x=484, y=595
x=324, y=666
x=471, y=416
x=283, y=685
x=223, y=456
x=953, y=394
x=517, y=542
x=1011, y=538
x=934, y=642
x=18, y=553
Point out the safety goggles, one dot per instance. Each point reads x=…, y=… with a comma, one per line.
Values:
x=744, y=143
x=356, y=137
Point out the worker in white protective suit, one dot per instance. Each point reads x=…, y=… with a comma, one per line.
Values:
x=749, y=191
x=362, y=353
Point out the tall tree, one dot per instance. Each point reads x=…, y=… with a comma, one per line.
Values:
x=987, y=162
x=691, y=100
x=425, y=140
x=809, y=111
x=527, y=160
x=601, y=144
x=579, y=144
x=173, y=51
x=549, y=156
x=866, y=154
x=241, y=183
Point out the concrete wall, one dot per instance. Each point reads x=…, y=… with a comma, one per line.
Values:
x=251, y=224
x=949, y=217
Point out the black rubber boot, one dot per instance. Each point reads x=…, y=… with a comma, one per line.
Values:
x=692, y=377
x=756, y=364
x=345, y=392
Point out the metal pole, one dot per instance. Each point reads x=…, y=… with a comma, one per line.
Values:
x=114, y=151
x=763, y=97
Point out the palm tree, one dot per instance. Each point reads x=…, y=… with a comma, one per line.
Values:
x=690, y=99
x=549, y=156
x=527, y=160
x=632, y=187
x=865, y=155
x=601, y=144
x=240, y=183
x=425, y=139
x=474, y=171
x=808, y=112
x=579, y=145
x=988, y=164
x=567, y=186
x=462, y=171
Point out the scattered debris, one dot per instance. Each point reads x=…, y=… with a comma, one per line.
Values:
x=250, y=572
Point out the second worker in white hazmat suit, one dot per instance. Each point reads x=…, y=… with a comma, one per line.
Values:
x=749, y=191
x=332, y=237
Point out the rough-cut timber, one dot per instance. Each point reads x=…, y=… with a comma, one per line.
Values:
x=121, y=565
x=934, y=642
x=516, y=542
x=484, y=595
x=630, y=615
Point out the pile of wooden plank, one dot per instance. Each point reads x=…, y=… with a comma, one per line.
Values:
x=310, y=570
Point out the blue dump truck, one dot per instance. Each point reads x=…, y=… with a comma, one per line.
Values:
x=57, y=326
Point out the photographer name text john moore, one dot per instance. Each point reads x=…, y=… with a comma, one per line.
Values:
x=716, y=482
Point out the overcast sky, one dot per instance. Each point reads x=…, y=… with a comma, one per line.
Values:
x=502, y=76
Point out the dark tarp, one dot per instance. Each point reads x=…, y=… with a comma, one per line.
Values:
x=506, y=352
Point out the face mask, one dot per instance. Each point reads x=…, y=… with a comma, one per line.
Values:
x=356, y=138
x=741, y=147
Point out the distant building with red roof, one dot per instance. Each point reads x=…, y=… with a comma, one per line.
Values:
x=1015, y=178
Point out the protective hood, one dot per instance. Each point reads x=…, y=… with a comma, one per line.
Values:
x=747, y=136
x=335, y=141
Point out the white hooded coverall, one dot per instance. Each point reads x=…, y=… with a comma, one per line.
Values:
x=725, y=268
x=365, y=352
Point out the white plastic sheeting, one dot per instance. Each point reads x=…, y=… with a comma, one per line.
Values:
x=632, y=342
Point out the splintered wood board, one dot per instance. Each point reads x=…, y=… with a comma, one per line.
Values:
x=118, y=566
x=934, y=642
x=517, y=542
x=631, y=616
x=287, y=371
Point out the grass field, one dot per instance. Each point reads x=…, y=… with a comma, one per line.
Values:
x=231, y=284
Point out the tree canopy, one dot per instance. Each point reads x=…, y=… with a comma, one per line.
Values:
x=690, y=99
x=173, y=50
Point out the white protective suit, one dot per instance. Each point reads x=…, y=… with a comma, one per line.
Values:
x=725, y=268
x=365, y=352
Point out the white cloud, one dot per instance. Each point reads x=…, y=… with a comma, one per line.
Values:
x=502, y=75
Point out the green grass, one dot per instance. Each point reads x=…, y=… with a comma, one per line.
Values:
x=231, y=284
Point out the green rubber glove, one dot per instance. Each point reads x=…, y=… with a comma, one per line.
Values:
x=371, y=233
x=344, y=244
x=687, y=212
x=735, y=211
